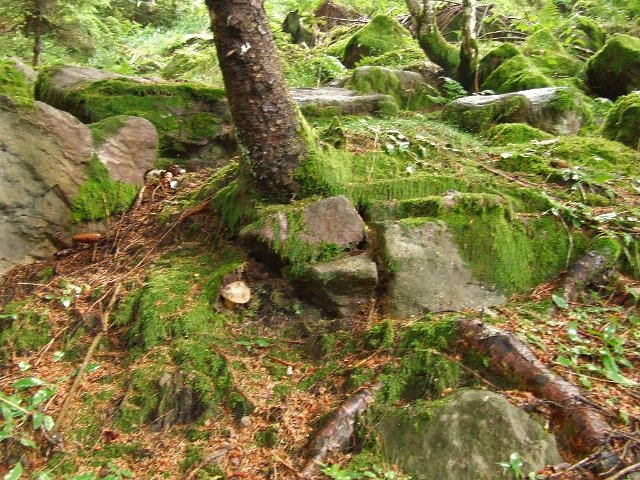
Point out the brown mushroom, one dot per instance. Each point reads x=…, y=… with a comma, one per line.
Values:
x=236, y=293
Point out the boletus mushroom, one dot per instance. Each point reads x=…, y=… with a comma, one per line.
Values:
x=234, y=294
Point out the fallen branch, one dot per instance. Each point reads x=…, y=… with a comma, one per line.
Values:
x=584, y=427
x=622, y=474
x=339, y=428
x=87, y=357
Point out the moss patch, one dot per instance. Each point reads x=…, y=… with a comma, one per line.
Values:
x=615, y=70
x=515, y=74
x=494, y=58
x=440, y=51
x=107, y=128
x=507, y=133
x=622, y=123
x=383, y=34
x=511, y=109
x=22, y=329
x=184, y=113
x=15, y=84
x=100, y=196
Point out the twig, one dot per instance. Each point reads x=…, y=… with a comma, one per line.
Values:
x=508, y=177
x=87, y=357
x=624, y=472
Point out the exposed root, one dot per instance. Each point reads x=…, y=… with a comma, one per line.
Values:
x=339, y=428
x=580, y=424
x=590, y=266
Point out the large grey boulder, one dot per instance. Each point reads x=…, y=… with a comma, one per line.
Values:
x=465, y=437
x=426, y=272
x=329, y=101
x=340, y=287
x=557, y=110
x=127, y=146
x=44, y=159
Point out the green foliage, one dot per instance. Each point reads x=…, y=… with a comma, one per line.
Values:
x=440, y=51
x=100, y=196
x=507, y=133
x=621, y=123
x=494, y=58
x=410, y=58
x=309, y=68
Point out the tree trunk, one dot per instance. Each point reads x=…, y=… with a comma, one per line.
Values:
x=439, y=51
x=37, y=29
x=262, y=110
x=469, y=46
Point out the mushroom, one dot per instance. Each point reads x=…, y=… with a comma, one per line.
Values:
x=236, y=293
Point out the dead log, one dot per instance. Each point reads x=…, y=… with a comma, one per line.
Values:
x=588, y=268
x=580, y=424
x=339, y=429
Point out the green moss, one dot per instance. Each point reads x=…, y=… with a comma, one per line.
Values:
x=107, y=128
x=174, y=108
x=507, y=133
x=22, y=329
x=511, y=109
x=15, y=84
x=389, y=82
x=494, y=58
x=585, y=33
x=515, y=74
x=615, y=69
x=383, y=34
x=100, y=196
x=623, y=120
x=309, y=68
x=411, y=58
x=381, y=335
x=440, y=51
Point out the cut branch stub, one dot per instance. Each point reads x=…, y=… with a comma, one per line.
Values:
x=580, y=424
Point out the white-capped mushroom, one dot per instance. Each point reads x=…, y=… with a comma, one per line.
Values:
x=236, y=293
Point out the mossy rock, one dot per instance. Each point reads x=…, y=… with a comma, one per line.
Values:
x=383, y=34
x=515, y=74
x=16, y=81
x=585, y=34
x=411, y=58
x=188, y=116
x=622, y=123
x=508, y=133
x=615, y=69
x=494, y=58
x=557, y=110
x=409, y=89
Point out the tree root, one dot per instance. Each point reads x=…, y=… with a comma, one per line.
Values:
x=589, y=267
x=339, y=428
x=580, y=424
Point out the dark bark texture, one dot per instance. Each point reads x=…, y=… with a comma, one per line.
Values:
x=580, y=423
x=262, y=110
x=37, y=31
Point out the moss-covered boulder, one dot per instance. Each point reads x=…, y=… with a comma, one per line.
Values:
x=584, y=34
x=622, y=123
x=411, y=58
x=465, y=436
x=383, y=34
x=515, y=74
x=557, y=110
x=494, y=58
x=409, y=89
x=17, y=81
x=332, y=101
x=548, y=54
x=188, y=116
x=615, y=70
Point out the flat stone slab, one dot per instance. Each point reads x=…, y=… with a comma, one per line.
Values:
x=427, y=273
x=342, y=100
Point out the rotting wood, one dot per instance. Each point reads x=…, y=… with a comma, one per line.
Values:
x=580, y=424
x=87, y=237
x=590, y=266
x=339, y=429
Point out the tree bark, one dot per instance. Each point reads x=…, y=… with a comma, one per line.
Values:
x=37, y=29
x=261, y=107
x=469, y=46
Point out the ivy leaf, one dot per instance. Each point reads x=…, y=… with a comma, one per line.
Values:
x=28, y=382
x=559, y=301
x=586, y=383
x=57, y=356
x=24, y=366
x=27, y=442
x=40, y=396
x=572, y=332
x=567, y=362
x=15, y=473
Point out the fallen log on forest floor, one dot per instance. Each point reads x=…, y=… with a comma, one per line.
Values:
x=339, y=429
x=581, y=424
x=588, y=268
